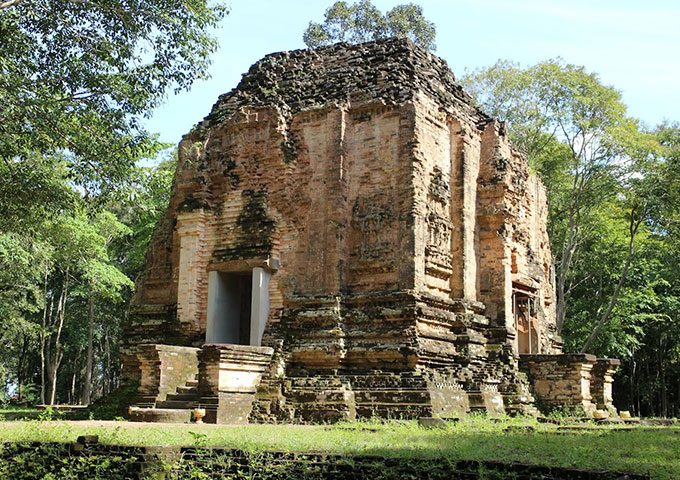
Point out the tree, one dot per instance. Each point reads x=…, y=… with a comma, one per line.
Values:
x=576, y=133
x=649, y=198
x=104, y=280
x=76, y=75
x=614, y=199
x=363, y=22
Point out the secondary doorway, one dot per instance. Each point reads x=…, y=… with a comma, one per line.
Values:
x=524, y=309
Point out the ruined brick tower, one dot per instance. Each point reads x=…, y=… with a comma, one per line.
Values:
x=350, y=209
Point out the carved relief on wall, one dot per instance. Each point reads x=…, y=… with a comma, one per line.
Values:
x=374, y=240
x=439, y=227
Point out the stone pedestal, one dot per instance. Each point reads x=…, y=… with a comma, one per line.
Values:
x=487, y=400
x=163, y=369
x=228, y=376
x=561, y=380
x=601, y=380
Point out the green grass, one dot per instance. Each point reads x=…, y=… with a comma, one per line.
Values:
x=654, y=450
x=14, y=412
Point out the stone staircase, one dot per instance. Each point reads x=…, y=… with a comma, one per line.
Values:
x=176, y=408
x=185, y=397
x=219, y=379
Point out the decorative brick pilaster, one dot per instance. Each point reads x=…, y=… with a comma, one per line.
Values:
x=192, y=265
x=601, y=380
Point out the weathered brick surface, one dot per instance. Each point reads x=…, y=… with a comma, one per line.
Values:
x=400, y=218
x=228, y=380
x=602, y=379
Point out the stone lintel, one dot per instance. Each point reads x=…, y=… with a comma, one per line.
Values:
x=151, y=309
x=238, y=348
x=167, y=348
x=614, y=362
x=245, y=265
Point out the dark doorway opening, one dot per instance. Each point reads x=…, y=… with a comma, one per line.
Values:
x=229, y=308
x=524, y=309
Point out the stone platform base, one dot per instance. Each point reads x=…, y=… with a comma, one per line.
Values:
x=324, y=398
x=160, y=415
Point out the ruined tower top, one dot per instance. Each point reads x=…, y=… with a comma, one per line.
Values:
x=392, y=70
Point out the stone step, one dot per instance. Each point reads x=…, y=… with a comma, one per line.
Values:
x=176, y=404
x=185, y=397
x=192, y=383
x=160, y=415
x=187, y=389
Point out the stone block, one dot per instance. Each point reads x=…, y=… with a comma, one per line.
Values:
x=432, y=422
x=228, y=378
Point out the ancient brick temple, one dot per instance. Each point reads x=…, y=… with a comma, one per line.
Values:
x=348, y=235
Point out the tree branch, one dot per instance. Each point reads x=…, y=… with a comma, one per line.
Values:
x=10, y=4
x=633, y=227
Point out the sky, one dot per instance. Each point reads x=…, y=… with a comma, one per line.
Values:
x=634, y=46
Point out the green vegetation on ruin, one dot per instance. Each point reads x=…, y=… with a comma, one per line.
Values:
x=638, y=449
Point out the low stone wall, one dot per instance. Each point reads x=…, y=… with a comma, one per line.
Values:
x=561, y=380
x=163, y=369
x=109, y=462
x=577, y=380
x=601, y=383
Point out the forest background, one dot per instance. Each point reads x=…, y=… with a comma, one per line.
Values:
x=83, y=182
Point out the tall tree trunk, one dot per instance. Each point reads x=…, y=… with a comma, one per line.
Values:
x=87, y=389
x=74, y=375
x=632, y=386
x=677, y=402
x=662, y=378
x=562, y=273
x=633, y=227
x=21, y=367
x=52, y=373
x=57, y=354
x=109, y=374
x=43, y=332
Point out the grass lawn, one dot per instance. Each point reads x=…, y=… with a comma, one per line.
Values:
x=13, y=412
x=641, y=449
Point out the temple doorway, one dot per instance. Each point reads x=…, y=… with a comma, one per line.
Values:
x=238, y=306
x=229, y=308
x=524, y=308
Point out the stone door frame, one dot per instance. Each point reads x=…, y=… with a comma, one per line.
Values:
x=260, y=272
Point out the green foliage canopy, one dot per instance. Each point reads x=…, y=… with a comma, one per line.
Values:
x=76, y=75
x=363, y=22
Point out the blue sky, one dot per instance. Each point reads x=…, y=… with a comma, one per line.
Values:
x=634, y=45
